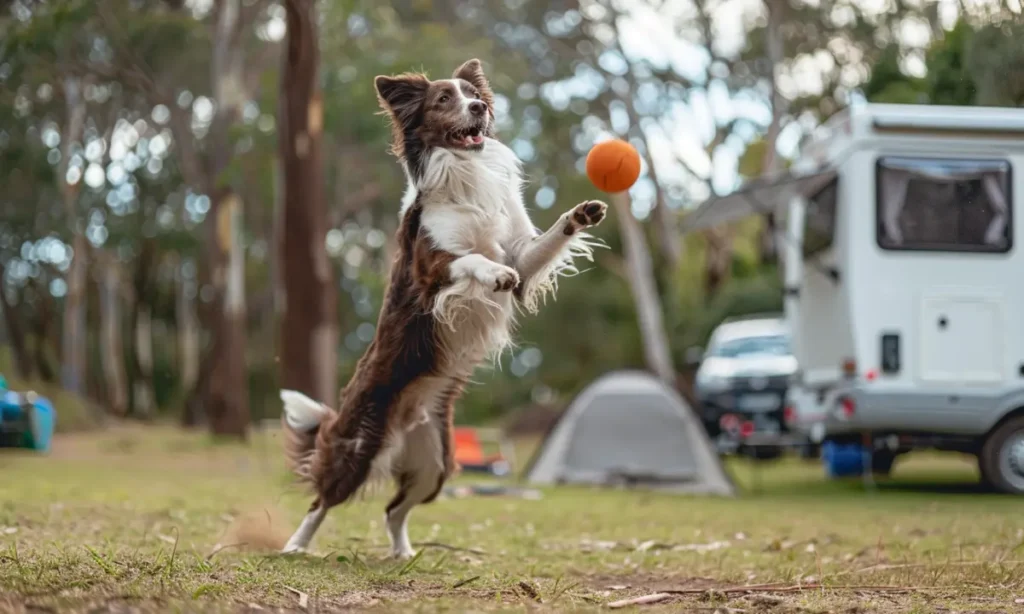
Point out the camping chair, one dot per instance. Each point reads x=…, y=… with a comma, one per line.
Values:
x=469, y=451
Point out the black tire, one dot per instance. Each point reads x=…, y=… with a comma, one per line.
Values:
x=985, y=478
x=762, y=453
x=882, y=461
x=810, y=452
x=1004, y=479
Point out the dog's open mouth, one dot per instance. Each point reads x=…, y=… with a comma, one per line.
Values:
x=466, y=137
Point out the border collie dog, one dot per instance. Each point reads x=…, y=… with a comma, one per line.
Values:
x=468, y=257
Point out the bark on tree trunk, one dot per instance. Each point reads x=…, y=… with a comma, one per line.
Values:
x=142, y=388
x=141, y=400
x=42, y=323
x=224, y=389
x=645, y=292
x=112, y=352
x=277, y=245
x=717, y=259
x=15, y=332
x=309, y=335
x=73, y=346
x=188, y=335
x=775, y=51
x=227, y=401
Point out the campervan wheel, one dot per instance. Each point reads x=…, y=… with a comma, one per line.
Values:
x=1002, y=457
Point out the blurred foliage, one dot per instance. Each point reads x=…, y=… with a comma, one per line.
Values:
x=563, y=79
x=969, y=65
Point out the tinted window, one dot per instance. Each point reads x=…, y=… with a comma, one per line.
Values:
x=944, y=205
x=777, y=345
x=820, y=219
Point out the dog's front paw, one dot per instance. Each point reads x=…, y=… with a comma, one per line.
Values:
x=498, y=277
x=403, y=554
x=585, y=215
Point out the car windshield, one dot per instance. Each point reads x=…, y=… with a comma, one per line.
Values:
x=777, y=345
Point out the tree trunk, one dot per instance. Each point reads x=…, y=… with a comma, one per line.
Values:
x=717, y=259
x=143, y=400
x=73, y=346
x=112, y=344
x=188, y=334
x=15, y=332
x=645, y=292
x=775, y=51
x=224, y=388
x=277, y=245
x=227, y=399
x=43, y=319
x=309, y=335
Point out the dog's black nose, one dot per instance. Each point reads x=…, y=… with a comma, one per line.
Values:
x=477, y=107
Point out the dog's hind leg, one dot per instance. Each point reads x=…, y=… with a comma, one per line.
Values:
x=299, y=540
x=419, y=472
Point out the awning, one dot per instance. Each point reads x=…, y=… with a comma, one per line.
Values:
x=757, y=196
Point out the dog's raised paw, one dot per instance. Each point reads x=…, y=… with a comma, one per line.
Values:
x=498, y=277
x=585, y=215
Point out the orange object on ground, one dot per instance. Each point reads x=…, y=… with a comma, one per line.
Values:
x=469, y=451
x=613, y=166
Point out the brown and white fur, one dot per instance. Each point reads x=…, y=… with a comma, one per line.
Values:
x=467, y=257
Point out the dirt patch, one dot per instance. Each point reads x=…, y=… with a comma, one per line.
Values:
x=640, y=581
x=655, y=592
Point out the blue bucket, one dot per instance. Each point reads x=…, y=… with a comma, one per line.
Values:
x=842, y=460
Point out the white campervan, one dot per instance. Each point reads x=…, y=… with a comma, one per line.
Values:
x=903, y=279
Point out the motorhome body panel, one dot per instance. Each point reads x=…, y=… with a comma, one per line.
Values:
x=944, y=318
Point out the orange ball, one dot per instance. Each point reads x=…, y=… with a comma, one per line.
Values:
x=613, y=166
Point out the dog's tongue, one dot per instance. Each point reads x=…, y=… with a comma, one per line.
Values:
x=476, y=139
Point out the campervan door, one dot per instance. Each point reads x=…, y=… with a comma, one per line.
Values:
x=817, y=299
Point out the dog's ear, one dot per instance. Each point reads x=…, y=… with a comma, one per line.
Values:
x=401, y=94
x=401, y=99
x=473, y=72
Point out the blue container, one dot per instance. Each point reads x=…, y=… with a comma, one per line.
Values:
x=842, y=460
x=25, y=425
x=44, y=419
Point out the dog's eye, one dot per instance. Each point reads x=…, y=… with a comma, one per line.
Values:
x=444, y=98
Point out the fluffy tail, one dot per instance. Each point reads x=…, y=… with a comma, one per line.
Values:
x=302, y=417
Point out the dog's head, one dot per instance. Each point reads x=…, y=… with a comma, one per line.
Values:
x=454, y=113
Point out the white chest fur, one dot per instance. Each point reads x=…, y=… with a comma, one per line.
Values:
x=471, y=200
x=472, y=204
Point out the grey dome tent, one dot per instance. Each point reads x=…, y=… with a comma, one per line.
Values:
x=629, y=428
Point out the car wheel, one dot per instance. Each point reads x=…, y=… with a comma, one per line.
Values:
x=985, y=478
x=1002, y=457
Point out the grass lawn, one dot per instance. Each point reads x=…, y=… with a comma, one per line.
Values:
x=128, y=520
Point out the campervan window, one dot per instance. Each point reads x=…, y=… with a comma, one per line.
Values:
x=820, y=219
x=943, y=205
